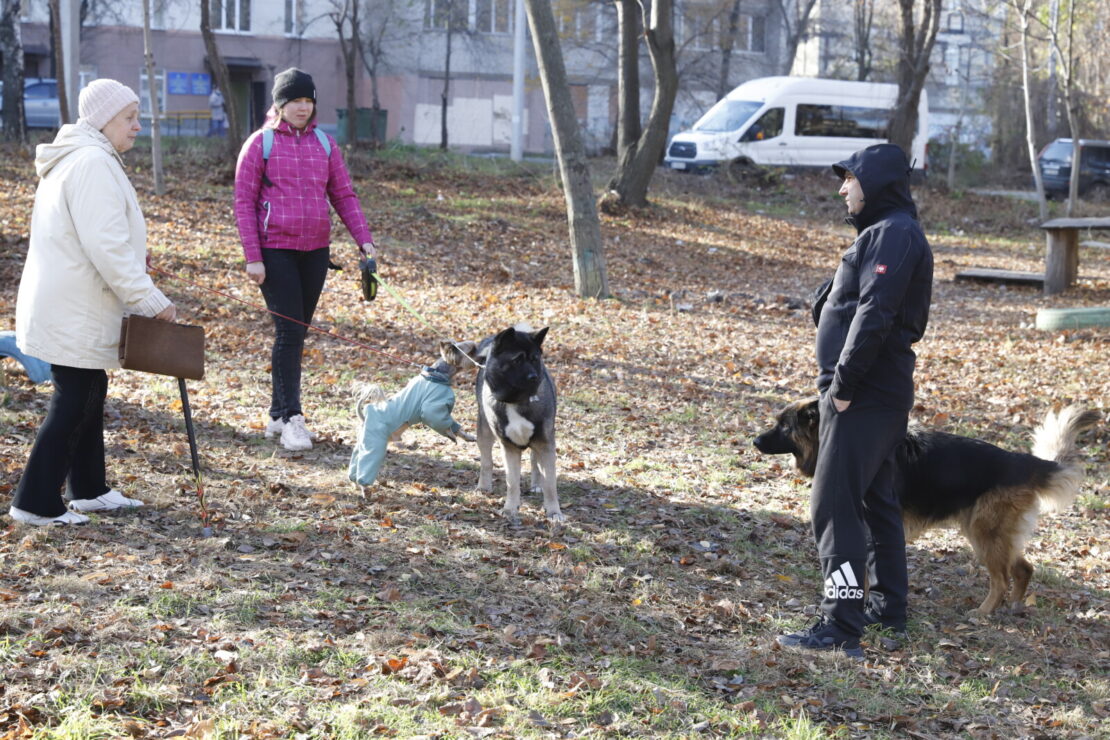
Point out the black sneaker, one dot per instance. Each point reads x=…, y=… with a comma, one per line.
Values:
x=893, y=631
x=871, y=619
x=824, y=636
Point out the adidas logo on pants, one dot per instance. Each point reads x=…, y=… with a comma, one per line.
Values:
x=842, y=584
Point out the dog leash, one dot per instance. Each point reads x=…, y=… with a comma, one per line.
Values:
x=355, y=342
x=405, y=305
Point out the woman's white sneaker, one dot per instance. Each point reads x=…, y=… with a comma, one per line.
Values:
x=105, y=502
x=295, y=437
x=35, y=520
x=274, y=427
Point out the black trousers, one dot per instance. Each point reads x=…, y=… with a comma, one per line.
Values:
x=857, y=519
x=69, y=446
x=294, y=281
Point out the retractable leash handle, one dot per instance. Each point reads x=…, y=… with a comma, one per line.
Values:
x=368, y=275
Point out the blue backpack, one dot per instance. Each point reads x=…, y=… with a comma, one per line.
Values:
x=268, y=142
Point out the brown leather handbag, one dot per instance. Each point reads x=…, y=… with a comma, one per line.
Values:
x=161, y=347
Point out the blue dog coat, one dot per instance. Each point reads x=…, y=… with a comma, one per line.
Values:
x=37, y=370
x=427, y=399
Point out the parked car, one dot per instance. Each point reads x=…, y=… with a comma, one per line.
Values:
x=794, y=122
x=1094, y=170
x=40, y=102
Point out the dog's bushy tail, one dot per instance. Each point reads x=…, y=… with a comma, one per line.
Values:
x=1055, y=440
x=367, y=395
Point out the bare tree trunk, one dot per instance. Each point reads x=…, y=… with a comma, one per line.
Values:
x=795, y=31
x=630, y=182
x=913, y=67
x=864, y=16
x=628, y=81
x=371, y=63
x=11, y=49
x=723, y=85
x=590, y=280
x=955, y=139
x=446, y=94
x=348, y=49
x=59, y=59
x=223, y=81
x=1072, y=105
x=1030, y=131
x=152, y=90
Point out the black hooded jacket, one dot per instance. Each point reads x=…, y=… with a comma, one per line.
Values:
x=878, y=302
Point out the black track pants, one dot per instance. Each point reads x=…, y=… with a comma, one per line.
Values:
x=857, y=521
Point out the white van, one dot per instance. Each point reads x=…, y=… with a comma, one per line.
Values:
x=794, y=122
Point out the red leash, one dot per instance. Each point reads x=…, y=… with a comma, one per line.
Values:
x=366, y=347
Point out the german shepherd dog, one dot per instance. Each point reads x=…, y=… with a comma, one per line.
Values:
x=516, y=405
x=943, y=480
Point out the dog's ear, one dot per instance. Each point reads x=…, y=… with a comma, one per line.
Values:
x=448, y=352
x=810, y=413
x=538, y=336
x=468, y=348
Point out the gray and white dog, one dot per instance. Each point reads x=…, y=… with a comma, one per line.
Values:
x=516, y=404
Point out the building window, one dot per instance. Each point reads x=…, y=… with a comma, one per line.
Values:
x=144, y=92
x=579, y=20
x=439, y=13
x=955, y=23
x=294, y=20
x=231, y=15
x=481, y=16
x=705, y=27
x=86, y=73
x=751, y=34
x=493, y=16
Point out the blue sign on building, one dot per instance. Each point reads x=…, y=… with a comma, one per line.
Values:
x=177, y=83
x=200, y=83
x=188, y=83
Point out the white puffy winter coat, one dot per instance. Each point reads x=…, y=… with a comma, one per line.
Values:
x=86, y=264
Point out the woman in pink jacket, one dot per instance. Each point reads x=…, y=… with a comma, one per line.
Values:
x=281, y=207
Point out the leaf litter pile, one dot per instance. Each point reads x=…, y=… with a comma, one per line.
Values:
x=315, y=611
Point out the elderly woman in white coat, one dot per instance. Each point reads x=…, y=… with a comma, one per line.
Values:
x=86, y=268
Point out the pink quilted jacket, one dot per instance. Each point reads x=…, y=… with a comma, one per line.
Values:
x=292, y=212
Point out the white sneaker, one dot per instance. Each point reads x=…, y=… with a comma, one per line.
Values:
x=35, y=520
x=295, y=437
x=274, y=427
x=105, y=502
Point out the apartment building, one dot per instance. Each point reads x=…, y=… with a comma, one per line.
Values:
x=428, y=50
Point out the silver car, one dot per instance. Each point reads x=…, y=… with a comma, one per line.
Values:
x=40, y=102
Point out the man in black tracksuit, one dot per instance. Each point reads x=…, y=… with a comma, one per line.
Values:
x=876, y=307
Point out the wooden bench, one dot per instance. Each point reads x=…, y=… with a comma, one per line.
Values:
x=1061, y=260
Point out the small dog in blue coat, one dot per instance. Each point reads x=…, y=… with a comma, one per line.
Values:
x=427, y=399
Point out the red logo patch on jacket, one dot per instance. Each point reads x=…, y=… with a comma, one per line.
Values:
x=880, y=269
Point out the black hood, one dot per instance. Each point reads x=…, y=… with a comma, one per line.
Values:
x=884, y=173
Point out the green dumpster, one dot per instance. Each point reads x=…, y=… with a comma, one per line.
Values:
x=366, y=127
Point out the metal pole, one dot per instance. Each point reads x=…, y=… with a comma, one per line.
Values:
x=189, y=426
x=205, y=522
x=516, y=149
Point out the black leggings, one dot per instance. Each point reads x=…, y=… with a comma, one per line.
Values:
x=292, y=287
x=69, y=446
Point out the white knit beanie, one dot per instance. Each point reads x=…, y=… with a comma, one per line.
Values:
x=101, y=100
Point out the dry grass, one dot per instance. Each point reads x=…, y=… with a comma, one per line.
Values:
x=313, y=612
